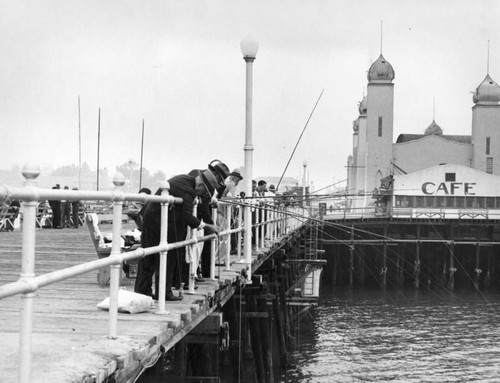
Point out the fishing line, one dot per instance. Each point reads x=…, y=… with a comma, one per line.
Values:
x=297, y=144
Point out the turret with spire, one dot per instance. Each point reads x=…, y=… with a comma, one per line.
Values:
x=486, y=125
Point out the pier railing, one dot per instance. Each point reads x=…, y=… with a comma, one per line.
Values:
x=271, y=220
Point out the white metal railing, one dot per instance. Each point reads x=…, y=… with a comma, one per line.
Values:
x=275, y=220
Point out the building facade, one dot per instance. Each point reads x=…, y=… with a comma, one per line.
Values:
x=375, y=156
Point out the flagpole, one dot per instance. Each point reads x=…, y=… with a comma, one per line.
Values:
x=98, y=144
x=79, y=147
x=142, y=153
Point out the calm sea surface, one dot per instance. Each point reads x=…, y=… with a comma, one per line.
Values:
x=424, y=336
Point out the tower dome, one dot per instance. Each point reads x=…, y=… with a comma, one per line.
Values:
x=381, y=71
x=433, y=129
x=363, y=106
x=487, y=93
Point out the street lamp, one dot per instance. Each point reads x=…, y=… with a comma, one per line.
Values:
x=304, y=184
x=249, y=49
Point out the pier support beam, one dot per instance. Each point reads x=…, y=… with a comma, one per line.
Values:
x=416, y=269
x=383, y=272
x=351, y=260
x=451, y=280
x=477, y=270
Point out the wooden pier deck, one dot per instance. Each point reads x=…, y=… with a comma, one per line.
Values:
x=70, y=341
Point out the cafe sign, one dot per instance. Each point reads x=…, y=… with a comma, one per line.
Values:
x=449, y=188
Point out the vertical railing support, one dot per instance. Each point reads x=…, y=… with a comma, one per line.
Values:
x=212, y=247
x=248, y=239
x=115, y=268
x=30, y=173
x=257, y=227
x=228, y=238
x=240, y=225
x=262, y=226
x=194, y=252
x=163, y=254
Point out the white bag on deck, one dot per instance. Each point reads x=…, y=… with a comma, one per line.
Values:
x=129, y=302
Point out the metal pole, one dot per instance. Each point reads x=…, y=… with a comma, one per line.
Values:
x=163, y=255
x=240, y=225
x=248, y=149
x=193, y=249
x=304, y=185
x=228, y=238
x=79, y=147
x=30, y=174
x=98, y=144
x=262, y=221
x=115, y=268
x=142, y=153
x=212, y=247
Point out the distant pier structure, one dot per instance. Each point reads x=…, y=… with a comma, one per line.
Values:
x=421, y=211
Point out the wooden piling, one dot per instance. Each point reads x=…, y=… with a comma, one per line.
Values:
x=416, y=269
x=266, y=333
x=255, y=338
x=477, y=270
x=351, y=260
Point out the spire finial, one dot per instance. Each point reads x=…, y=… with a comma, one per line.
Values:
x=433, y=109
x=488, y=59
x=381, y=34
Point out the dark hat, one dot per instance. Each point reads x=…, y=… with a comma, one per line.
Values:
x=220, y=170
x=209, y=180
x=236, y=173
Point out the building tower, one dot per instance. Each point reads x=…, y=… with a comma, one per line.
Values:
x=379, y=122
x=486, y=127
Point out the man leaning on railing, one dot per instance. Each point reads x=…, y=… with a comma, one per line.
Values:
x=179, y=218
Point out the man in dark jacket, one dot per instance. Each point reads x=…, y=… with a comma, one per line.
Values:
x=221, y=172
x=179, y=218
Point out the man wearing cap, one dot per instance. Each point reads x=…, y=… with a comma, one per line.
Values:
x=179, y=218
x=231, y=182
x=230, y=192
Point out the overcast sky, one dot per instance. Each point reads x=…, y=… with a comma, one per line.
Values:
x=178, y=66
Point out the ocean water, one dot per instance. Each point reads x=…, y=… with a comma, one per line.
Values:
x=399, y=336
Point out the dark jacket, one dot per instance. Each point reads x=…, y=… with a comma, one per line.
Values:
x=204, y=210
x=180, y=216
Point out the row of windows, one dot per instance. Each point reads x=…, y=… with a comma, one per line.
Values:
x=450, y=202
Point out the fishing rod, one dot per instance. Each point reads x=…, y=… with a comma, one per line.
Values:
x=297, y=144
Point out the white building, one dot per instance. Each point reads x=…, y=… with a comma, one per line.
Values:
x=375, y=155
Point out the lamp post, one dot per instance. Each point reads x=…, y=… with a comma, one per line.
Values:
x=304, y=164
x=249, y=49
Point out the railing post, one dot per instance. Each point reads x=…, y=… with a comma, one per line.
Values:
x=115, y=268
x=271, y=224
x=163, y=254
x=248, y=238
x=257, y=227
x=228, y=237
x=193, y=252
x=240, y=225
x=212, y=247
x=262, y=225
x=30, y=174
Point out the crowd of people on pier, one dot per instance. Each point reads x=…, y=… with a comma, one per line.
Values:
x=206, y=185
x=65, y=214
